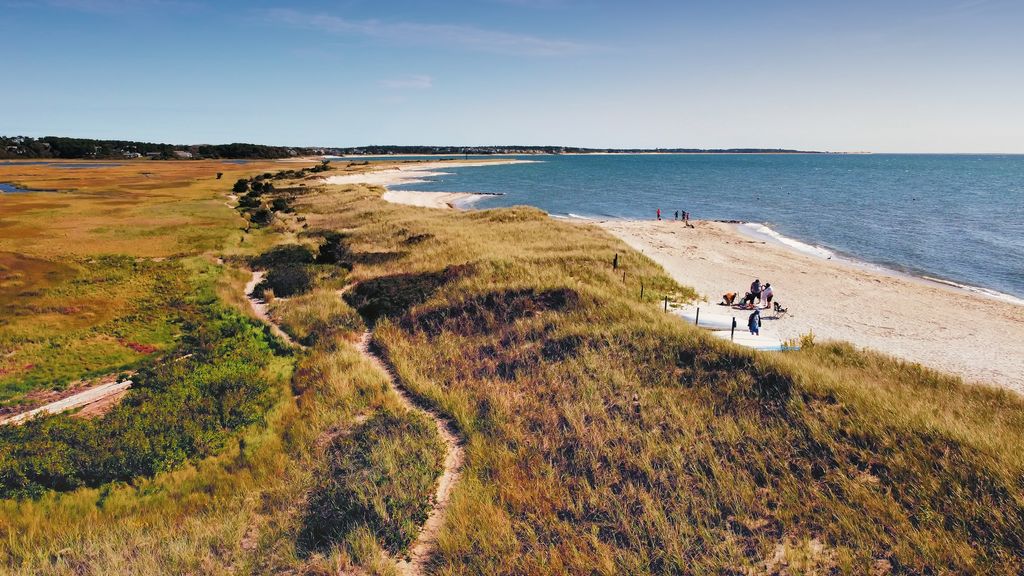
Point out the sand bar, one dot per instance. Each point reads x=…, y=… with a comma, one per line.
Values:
x=432, y=199
x=977, y=337
x=418, y=172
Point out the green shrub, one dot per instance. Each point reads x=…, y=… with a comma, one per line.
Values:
x=262, y=216
x=175, y=411
x=283, y=255
x=280, y=205
x=288, y=280
x=335, y=251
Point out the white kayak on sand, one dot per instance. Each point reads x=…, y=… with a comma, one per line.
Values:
x=743, y=337
x=711, y=320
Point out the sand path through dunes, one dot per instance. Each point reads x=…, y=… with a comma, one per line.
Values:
x=974, y=336
x=259, y=308
x=426, y=541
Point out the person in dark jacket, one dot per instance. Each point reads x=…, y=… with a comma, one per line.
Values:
x=754, y=322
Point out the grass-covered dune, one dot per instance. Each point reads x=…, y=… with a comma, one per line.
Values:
x=604, y=436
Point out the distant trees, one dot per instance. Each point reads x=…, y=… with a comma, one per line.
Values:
x=241, y=187
x=81, y=148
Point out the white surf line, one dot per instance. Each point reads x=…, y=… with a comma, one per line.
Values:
x=426, y=541
x=259, y=307
x=77, y=400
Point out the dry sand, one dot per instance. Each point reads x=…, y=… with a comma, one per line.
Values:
x=414, y=173
x=975, y=336
x=432, y=199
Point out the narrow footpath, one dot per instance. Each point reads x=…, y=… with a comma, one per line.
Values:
x=423, y=547
x=259, y=307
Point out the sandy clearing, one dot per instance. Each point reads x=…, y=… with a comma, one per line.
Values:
x=953, y=330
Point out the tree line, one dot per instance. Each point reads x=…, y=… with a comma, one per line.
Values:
x=88, y=148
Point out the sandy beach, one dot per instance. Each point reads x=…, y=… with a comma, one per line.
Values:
x=951, y=329
x=974, y=336
x=414, y=173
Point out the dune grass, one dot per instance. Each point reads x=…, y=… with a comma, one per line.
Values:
x=607, y=437
x=603, y=436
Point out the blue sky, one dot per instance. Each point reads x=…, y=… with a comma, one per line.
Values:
x=928, y=76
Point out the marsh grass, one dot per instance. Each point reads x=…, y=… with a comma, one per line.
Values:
x=90, y=276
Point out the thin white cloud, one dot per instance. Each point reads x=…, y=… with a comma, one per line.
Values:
x=411, y=82
x=119, y=6
x=449, y=35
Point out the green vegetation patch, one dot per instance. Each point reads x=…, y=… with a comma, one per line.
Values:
x=393, y=296
x=182, y=408
x=87, y=318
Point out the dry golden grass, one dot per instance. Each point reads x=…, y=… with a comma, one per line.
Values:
x=89, y=273
x=603, y=436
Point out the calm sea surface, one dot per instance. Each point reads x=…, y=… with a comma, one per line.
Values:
x=953, y=217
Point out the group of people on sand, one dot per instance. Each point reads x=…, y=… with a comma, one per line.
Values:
x=681, y=215
x=760, y=296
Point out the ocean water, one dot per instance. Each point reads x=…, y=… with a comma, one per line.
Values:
x=956, y=218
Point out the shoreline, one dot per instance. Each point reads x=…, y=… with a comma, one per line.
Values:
x=405, y=174
x=414, y=173
x=973, y=335
x=972, y=332
x=751, y=229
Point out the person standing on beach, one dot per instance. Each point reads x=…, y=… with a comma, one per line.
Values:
x=676, y=217
x=754, y=322
x=755, y=289
x=659, y=213
x=766, y=295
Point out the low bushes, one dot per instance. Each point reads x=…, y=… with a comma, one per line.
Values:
x=288, y=280
x=175, y=411
x=394, y=295
x=282, y=255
